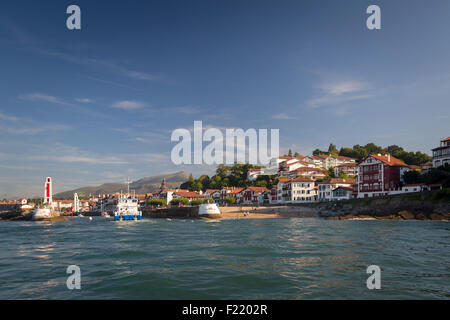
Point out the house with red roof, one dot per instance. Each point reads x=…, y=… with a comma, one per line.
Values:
x=326, y=189
x=253, y=195
x=349, y=168
x=308, y=172
x=326, y=161
x=380, y=175
x=213, y=193
x=298, y=190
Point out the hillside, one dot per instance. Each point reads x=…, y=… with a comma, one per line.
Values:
x=144, y=185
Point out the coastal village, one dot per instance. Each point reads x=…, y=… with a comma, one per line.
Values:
x=300, y=179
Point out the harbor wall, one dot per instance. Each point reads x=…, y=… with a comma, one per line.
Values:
x=9, y=211
x=175, y=212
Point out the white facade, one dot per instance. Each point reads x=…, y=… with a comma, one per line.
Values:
x=298, y=190
x=326, y=188
x=441, y=154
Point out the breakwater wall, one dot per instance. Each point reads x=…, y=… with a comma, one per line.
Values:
x=402, y=207
x=175, y=212
x=10, y=211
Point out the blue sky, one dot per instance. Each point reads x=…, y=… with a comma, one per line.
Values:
x=99, y=104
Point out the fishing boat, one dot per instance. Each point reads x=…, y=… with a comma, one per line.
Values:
x=127, y=207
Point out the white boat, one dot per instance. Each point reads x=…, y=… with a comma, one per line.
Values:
x=209, y=210
x=127, y=207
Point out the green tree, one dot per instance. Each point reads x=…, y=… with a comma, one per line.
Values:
x=230, y=200
x=208, y=200
x=332, y=149
x=196, y=202
x=156, y=202
x=331, y=173
x=177, y=201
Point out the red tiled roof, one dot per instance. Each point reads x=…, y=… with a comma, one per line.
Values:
x=336, y=180
x=258, y=189
x=189, y=194
x=301, y=179
x=345, y=158
x=211, y=191
x=350, y=164
x=284, y=180
x=308, y=169
x=446, y=139
x=429, y=163
x=347, y=188
x=236, y=190
x=393, y=161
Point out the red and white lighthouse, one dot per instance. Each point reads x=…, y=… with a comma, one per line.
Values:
x=48, y=190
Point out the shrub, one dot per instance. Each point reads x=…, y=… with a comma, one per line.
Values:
x=177, y=201
x=156, y=202
x=196, y=202
x=208, y=200
x=443, y=194
x=230, y=200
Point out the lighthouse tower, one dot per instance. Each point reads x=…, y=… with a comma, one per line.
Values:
x=48, y=194
x=76, y=203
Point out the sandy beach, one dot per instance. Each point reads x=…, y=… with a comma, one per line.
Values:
x=252, y=212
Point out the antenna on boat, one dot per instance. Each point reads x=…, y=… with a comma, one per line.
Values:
x=128, y=186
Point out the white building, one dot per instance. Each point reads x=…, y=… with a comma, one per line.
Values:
x=441, y=154
x=298, y=190
x=342, y=193
x=350, y=169
x=326, y=161
x=326, y=189
x=213, y=193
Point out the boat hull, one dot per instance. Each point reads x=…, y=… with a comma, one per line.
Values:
x=127, y=218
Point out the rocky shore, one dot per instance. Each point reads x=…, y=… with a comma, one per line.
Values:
x=404, y=207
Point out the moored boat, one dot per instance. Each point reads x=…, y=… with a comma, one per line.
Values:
x=127, y=209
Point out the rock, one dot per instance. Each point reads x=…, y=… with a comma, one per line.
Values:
x=421, y=216
x=389, y=217
x=435, y=216
x=405, y=215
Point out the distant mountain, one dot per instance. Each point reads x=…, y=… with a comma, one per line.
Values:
x=142, y=186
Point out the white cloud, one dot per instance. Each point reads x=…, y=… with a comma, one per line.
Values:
x=83, y=100
x=42, y=97
x=8, y=118
x=342, y=87
x=283, y=116
x=128, y=105
x=187, y=109
x=79, y=159
x=25, y=126
x=338, y=93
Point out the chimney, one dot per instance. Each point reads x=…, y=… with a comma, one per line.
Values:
x=388, y=157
